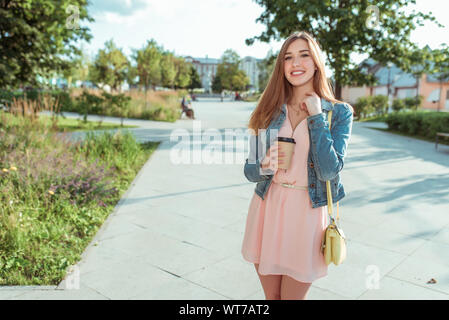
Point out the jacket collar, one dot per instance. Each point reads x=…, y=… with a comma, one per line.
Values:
x=325, y=105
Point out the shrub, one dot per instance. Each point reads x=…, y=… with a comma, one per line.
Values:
x=398, y=105
x=419, y=123
x=380, y=104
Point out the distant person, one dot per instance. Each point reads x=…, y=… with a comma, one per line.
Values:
x=186, y=107
x=222, y=95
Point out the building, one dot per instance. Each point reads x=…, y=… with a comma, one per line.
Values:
x=207, y=69
x=401, y=85
x=251, y=68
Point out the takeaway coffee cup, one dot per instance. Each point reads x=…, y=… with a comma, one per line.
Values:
x=286, y=145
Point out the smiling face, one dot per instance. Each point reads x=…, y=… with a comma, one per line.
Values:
x=299, y=67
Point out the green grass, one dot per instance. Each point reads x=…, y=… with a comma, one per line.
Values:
x=55, y=195
x=70, y=124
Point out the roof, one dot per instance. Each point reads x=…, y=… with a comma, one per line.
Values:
x=394, y=75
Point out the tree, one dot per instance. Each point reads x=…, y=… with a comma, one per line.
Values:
x=148, y=61
x=78, y=68
x=168, y=70
x=110, y=66
x=132, y=76
x=441, y=68
x=239, y=81
x=195, y=81
x=419, y=64
x=182, y=78
x=228, y=75
x=37, y=37
x=216, y=83
x=343, y=27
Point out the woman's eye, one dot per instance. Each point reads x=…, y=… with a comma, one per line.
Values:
x=302, y=56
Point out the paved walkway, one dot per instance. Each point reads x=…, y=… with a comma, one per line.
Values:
x=177, y=232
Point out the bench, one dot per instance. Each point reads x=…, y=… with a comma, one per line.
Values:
x=441, y=134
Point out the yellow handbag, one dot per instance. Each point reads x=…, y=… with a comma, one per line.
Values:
x=333, y=245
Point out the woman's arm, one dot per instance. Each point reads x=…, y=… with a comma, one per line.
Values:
x=329, y=151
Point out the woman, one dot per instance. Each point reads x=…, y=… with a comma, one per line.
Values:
x=286, y=222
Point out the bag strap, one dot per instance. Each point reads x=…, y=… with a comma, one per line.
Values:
x=328, y=183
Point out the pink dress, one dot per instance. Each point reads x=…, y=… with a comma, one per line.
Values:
x=283, y=232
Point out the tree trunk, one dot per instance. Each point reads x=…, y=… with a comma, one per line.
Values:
x=337, y=90
x=146, y=88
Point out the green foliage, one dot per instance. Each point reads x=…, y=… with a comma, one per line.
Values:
x=35, y=35
x=380, y=104
x=55, y=196
x=239, y=81
x=420, y=123
x=168, y=70
x=78, y=68
x=413, y=103
x=62, y=98
x=183, y=69
x=119, y=104
x=352, y=21
x=89, y=104
x=110, y=66
x=195, y=81
x=398, y=105
x=217, y=85
x=441, y=63
x=410, y=103
x=365, y=106
x=229, y=76
x=148, y=61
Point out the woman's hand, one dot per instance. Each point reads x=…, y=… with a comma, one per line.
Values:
x=271, y=159
x=313, y=103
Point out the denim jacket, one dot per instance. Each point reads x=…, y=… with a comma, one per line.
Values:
x=326, y=153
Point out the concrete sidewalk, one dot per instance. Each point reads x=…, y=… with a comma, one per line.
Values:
x=177, y=232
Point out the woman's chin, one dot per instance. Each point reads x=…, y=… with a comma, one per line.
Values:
x=298, y=83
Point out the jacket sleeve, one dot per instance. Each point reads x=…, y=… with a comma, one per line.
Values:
x=253, y=171
x=329, y=150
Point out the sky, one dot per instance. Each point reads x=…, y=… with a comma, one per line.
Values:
x=208, y=27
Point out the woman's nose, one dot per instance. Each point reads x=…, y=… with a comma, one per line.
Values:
x=296, y=61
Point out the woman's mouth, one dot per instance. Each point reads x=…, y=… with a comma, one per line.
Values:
x=297, y=73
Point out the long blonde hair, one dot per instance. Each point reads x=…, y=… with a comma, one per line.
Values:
x=279, y=90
